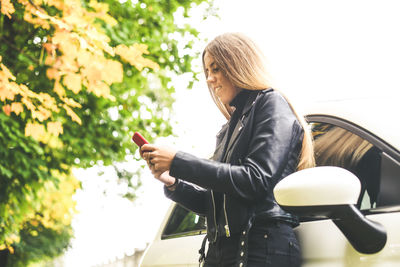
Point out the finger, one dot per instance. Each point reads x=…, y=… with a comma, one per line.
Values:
x=152, y=168
x=142, y=153
x=146, y=155
x=158, y=167
x=151, y=165
x=151, y=160
x=147, y=147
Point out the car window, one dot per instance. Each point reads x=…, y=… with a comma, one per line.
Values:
x=377, y=171
x=183, y=222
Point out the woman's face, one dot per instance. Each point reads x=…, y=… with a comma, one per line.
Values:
x=216, y=80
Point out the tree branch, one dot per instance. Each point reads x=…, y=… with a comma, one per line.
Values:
x=19, y=50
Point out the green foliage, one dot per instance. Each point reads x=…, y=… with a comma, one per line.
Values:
x=39, y=244
x=104, y=137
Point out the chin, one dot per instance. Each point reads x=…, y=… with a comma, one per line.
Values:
x=223, y=102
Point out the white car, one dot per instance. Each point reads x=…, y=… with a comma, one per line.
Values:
x=348, y=217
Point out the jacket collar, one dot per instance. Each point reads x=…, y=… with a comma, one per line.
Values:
x=240, y=99
x=223, y=134
x=249, y=104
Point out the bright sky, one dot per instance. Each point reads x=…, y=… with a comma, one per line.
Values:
x=315, y=48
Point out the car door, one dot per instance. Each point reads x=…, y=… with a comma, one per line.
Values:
x=377, y=165
x=178, y=240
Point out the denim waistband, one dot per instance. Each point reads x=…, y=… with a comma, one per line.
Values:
x=270, y=222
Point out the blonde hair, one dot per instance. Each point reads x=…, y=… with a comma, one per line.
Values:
x=339, y=147
x=243, y=64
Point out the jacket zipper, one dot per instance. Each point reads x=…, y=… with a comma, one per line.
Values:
x=215, y=215
x=227, y=232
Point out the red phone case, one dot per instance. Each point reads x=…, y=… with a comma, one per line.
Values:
x=139, y=139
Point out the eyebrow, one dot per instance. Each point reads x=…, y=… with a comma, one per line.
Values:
x=211, y=65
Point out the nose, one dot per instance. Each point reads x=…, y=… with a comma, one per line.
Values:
x=210, y=78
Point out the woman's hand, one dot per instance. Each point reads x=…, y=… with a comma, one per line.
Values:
x=159, y=158
x=165, y=178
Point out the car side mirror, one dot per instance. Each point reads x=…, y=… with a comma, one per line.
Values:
x=329, y=192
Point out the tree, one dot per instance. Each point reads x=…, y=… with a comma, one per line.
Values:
x=76, y=79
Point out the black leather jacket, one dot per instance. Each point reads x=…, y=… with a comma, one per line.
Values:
x=237, y=184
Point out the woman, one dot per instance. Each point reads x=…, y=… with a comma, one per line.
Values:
x=263, y=141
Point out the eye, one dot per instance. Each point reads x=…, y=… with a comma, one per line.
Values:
x=215, y=70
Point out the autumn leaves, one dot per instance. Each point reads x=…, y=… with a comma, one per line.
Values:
x=77, y=56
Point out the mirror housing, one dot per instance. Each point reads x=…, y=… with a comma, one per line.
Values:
x=318, y=186
x=329, y=192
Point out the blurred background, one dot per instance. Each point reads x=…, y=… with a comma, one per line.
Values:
x=78, y=78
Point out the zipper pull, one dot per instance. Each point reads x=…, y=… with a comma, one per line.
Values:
x=228, y=233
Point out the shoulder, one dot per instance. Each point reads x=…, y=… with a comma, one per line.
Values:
x=272, y=99
x=272, y=109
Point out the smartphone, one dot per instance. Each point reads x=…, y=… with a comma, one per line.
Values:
x=139, y=139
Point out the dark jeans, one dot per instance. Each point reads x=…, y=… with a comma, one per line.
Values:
x=273, y=245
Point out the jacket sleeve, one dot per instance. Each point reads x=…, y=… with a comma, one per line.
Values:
x=188, y=196
x=275, y=127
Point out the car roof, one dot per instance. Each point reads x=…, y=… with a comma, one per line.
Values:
x=379, y=115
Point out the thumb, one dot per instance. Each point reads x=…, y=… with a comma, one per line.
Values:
x=147, y=148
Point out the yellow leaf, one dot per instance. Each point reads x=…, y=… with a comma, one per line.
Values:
x=54, y=20
x=34, y=233
x=73, y=82
x=5, y=92
x=67, y=43
x=7, y=109
x=37, y=21
x=59, y=4
x=99, y=89
x=72, y=114
x=7, y=72
x=109, y=20
x=114, y=72
x=55, y=128
x=12, y=238
x=49, y=61
x=50, y=48
x=35, y=130
x=25, y=92
x=101, y=12
x=134, y=56
x=17, y=108
x=70, y=102
x=7, y=8
x=99, y=7
x=28, y=103
x=84, y=57
x=53, y=73
x=48, y=102
x=92, y=73
x=59, y=89
x=99, y=40
x=41, y=113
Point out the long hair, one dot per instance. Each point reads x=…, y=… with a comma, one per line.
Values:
x=339, y=147
x=243, y=64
